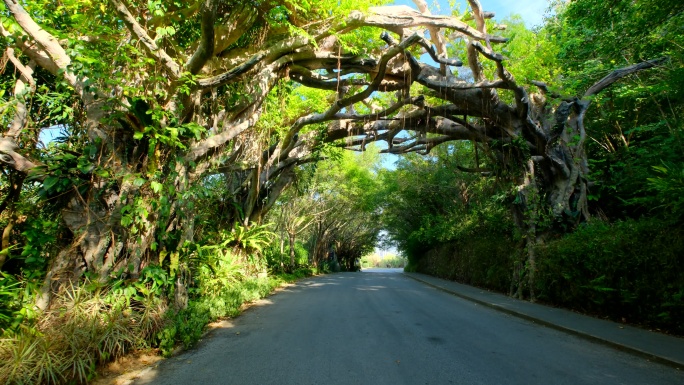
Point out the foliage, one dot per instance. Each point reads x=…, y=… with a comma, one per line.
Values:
x=276, y=260
x=182, y=177
x=91, y=324
x=431, y=202
x=88, y=325
x=459, y=226
x=11, y=303
x=484, y=260
x=629, y=271
x=636, y=125
x=334, y=208
x=667, y=186
x=251, y=240
x=188, y=325
x=531, y=54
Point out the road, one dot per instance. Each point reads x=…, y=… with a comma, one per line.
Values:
x=384, y=328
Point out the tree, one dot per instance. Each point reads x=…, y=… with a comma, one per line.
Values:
x=636, y=125
x=429, y=201
x=294, y=214
x=165, y=95
x=334, y=207
x=349, y=191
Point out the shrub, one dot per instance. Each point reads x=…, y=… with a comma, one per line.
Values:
x=631, y=270
x=93, y=323
x=187, y=325
x=85, y=327
x=482, y=256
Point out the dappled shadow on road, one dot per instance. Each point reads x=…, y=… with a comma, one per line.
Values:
x=359, y=280
x=368, y=287
x=319, y=284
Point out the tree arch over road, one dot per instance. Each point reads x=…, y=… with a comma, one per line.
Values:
x=161, y=97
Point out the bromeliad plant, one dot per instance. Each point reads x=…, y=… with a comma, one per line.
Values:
x=87, y=325
x=249, y=243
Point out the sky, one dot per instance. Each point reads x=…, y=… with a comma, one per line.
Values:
x=532, y=11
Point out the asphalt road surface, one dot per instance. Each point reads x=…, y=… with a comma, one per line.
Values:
x=380, y=327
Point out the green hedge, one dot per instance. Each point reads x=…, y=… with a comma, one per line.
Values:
x=631, y=270
x=484, y=260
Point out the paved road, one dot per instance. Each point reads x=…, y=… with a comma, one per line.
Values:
x=384, y=328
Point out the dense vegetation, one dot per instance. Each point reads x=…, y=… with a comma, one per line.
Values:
x=625, y=261
x=199, y=157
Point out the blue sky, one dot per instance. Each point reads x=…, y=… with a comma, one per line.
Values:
x=531, y=11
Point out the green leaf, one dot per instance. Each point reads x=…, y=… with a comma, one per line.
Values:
x=126, y=221
x=139, y=182
x=156, y=186
x=49, y=182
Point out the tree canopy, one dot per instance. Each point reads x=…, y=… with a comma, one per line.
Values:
x=158, y=102
x=188, y=135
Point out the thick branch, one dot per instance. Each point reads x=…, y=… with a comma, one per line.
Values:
x=20, y=93
x=435, y=35
x=383, y=114
x=10, y=156
x=342, y=103
x=396, y=18
x=282, y=47
x=206, y=47
x=171, y=67
x=621, y=73
x=49, y=52
x=439, y=58
x=204, y=148
x=308, y=78
x=48, y=43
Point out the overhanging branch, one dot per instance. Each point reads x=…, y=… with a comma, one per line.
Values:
x=171, y=67
x=621, y=73
x=205, y=50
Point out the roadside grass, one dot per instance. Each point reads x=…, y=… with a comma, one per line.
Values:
x=83, y=329
x=88, y=326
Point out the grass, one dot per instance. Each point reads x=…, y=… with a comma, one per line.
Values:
x=87, y=327
x=84, y=328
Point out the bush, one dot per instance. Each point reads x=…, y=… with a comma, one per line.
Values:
x=631, y=270
x=85, y=327
x=481, y=255
x=274, y=257
x=187, y=325
x=92, y=323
